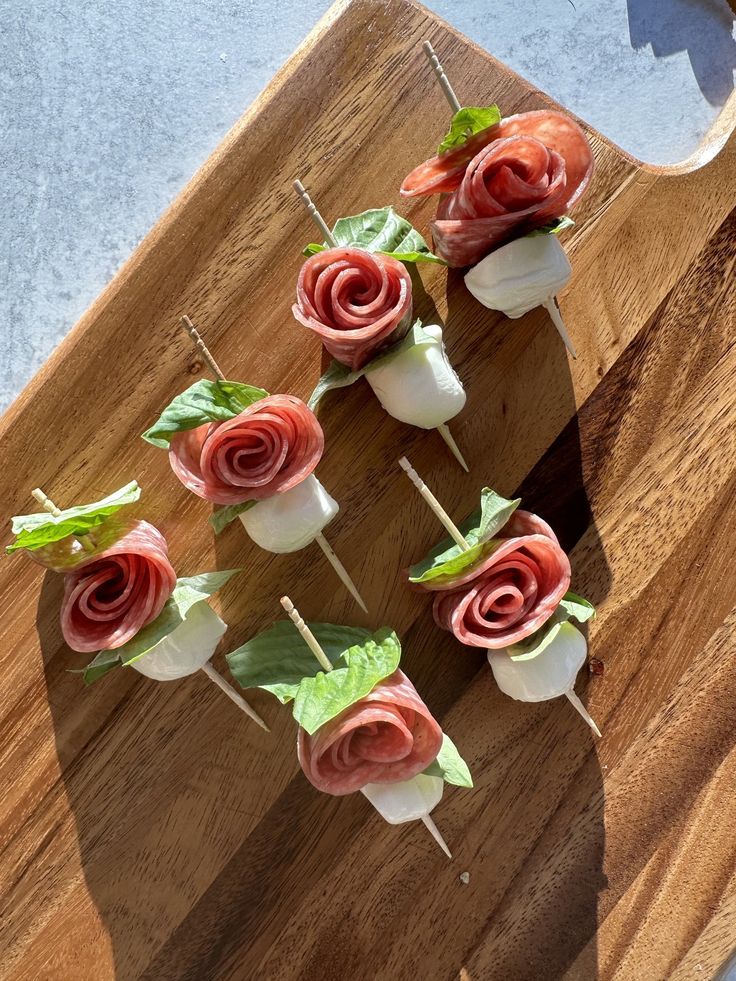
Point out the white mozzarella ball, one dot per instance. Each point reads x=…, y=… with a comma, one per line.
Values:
x=289, y=521
x=521, y=275
x=419, y=386
x=550, y=674
x=186, y=649
x=408, y=800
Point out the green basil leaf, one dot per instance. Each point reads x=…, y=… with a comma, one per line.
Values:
x=359, y=670
x=203, y=402
x=466, y=123
x=34, y=531
x=447, y=560
x=571, y=607
x=450, y=765
x=278, y=659
x=338, y=376
x=553, y=227
x=187, y=592
x=380, y=230
x=221, y=517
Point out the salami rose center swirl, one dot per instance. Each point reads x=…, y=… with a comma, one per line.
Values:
x=510, y=593
x=388, y=736
x=112, y=595
x=268, y=448
x=356, y=301
x=503, y=182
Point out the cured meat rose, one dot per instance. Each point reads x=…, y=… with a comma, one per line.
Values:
x=388, y=736
x=113, y=594
x=270, y=447
x=356, y=301
x=503, y=182
x=510, y=593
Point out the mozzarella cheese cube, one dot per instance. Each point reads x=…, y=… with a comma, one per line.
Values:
x=408, y=800
x=187, y=648
x=289, y=521
x=550, y=674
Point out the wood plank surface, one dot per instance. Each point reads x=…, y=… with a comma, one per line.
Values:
x=150, y=831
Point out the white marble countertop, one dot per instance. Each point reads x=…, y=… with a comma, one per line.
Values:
x=106, y=110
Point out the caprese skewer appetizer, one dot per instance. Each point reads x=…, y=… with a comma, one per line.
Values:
x=502, y=584
x=362, y=725
x=355, y=293
x=506, y=186
x=253, y=455
x=122, y=598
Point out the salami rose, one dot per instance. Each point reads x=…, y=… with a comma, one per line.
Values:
x=388, y=736
x=510, y=593
x=114, y=593
x=503, y=182
x=356, y=301
x=270, y=447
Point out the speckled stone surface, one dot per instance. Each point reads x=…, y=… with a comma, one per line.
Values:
x=106, y=110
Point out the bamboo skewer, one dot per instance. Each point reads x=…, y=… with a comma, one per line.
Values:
x=456, y=534
x=319, y=221
x=313, y=644
x=550, y=305
x=320, y=538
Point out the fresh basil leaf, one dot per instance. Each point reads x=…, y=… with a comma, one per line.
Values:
x=221, y=517
x=450, y=765
x=574, y=607
x=186, y=593
x=553, y=227
x=447, y=560
x=466, y=123
x=203, y=402
x=380, y=230
x=571, y=607
x=359, y=670
x=338, y=376
x=278, y=659
x=34, y=531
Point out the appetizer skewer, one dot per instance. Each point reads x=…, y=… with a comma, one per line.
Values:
x=504, y=586
x=254, y=454
x=362, y=724
x=122, y=597
x=506, y=186
x=370, y=307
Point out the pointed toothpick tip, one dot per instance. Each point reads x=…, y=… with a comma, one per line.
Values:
x=581, y=709
x=341, y=571
x=449, y=439
x=214, y=675
x=550, y=305
x=436, y=834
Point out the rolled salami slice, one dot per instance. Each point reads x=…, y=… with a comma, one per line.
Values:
x=114, y=593
x=269, y=448
x=388, y=736
x=509, y=594
x=356, y=301
x=503, y=182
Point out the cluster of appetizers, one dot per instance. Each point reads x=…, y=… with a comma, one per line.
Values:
x=500, y=583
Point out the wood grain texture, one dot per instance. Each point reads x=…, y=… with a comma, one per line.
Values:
x=150, y=831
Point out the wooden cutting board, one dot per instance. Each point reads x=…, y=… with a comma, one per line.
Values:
x=150, y=831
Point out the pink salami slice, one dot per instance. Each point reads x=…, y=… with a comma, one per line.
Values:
x=388, y=736
x=113, y=594
x=509, y=594
x=356, y=301
x=503, y=182
x=270, y=447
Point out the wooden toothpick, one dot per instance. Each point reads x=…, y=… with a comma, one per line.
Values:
x=434, y=504
x=444, y=430
x=441, y=77
x=86, y=541
x=202, y=348
x=553, y=309
x=314, y=214
x=217, y=678
x=307, y=636
x=340, y=570
x=579, y=707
